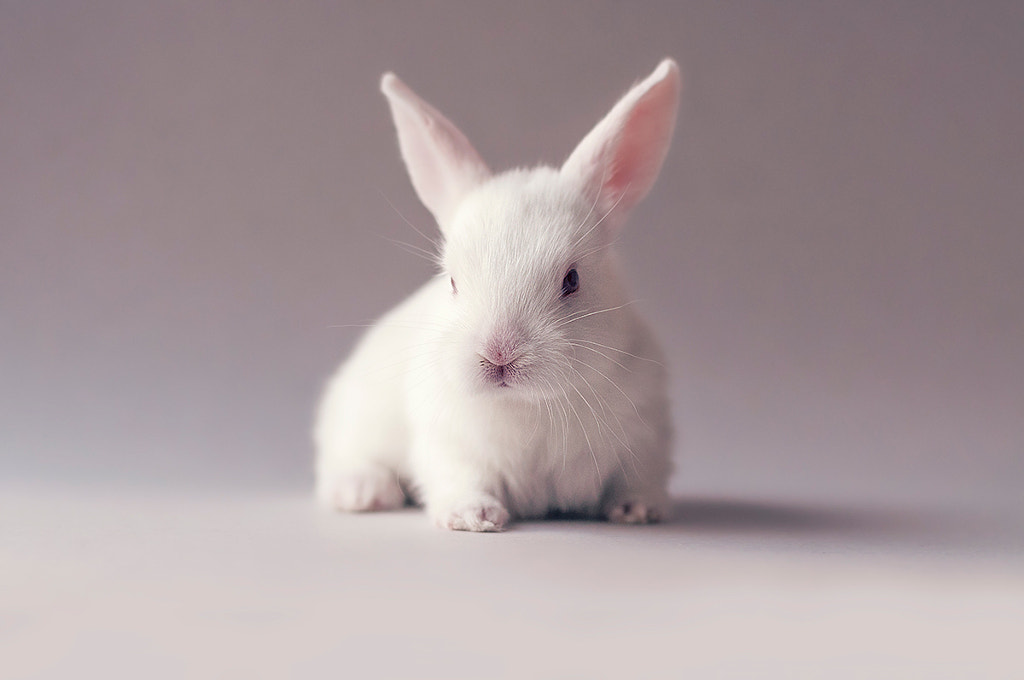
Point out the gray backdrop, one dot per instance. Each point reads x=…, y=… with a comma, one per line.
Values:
x=193, y=194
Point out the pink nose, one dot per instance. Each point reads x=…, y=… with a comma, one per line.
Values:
x=500, y=349
x=498, y=359
x=497, y=356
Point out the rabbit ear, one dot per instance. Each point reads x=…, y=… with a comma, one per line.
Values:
x=442, y=163
x=617, y=163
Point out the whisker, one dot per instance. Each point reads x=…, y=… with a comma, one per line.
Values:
x=591, y=349
x=603, y=217
x=620, y=351
x=602, y=424
x=392, y=324
x=616, y=386
x=572, y=319
x=597, y=197
x=436, y=244
x=414, y=250
x=586, y=436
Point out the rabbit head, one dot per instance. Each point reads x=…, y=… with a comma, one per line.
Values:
x=528, y=253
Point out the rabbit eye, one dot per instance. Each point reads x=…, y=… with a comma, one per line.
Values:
x=571, y=282
x=454, y=289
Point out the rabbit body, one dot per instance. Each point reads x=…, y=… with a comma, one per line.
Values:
x=521, y=381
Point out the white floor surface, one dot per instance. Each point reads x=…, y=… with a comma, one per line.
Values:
x=116, y=583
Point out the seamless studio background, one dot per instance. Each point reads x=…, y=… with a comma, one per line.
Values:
x=198, y=203
x=196, y=196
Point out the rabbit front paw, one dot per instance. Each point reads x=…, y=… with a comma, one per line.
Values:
x=634, y=512
x=479, y=513
x=369, y=489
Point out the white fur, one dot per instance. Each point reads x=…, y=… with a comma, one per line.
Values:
x=581, y=422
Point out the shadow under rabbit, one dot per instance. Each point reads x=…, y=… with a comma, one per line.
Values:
x=781, y=523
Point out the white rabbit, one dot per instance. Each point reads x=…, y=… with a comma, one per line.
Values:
x=519, y=381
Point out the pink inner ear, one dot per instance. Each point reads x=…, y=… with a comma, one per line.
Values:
x=638, y=152
x=620, y=158
x=442, y=164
